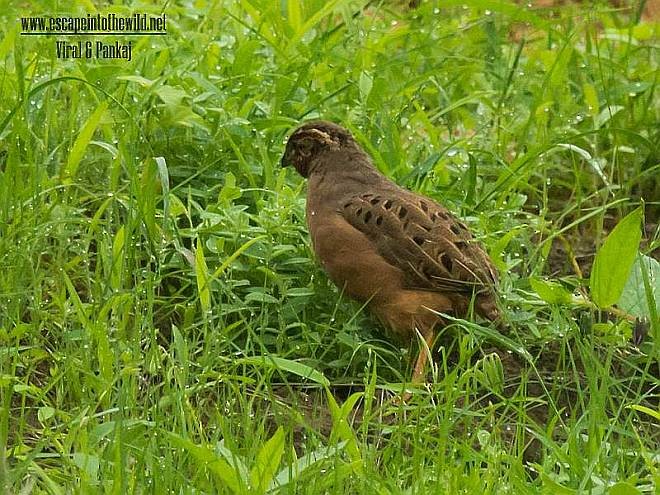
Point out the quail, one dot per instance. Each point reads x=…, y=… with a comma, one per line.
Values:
x=402, y=254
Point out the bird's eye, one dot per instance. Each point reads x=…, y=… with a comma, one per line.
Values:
x=305, y=147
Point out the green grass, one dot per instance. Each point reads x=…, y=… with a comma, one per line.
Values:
x=164, y=327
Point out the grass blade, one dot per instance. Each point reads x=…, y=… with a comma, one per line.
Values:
x=82, y=141
x=267, y=462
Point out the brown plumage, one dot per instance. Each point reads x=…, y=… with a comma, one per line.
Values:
x=400, y=252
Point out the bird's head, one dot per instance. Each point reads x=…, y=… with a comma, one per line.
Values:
x=312, y=140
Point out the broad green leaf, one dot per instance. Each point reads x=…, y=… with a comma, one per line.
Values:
x=591, y=99
x=606, y=114
x=88, y=463
x=202, y=274
x=365, y=84
x=82, y=141
x=550, y=292
x=171, y=96
x=233, y=458
x=207, y=458
x=44, y=413
x=619, y=332
x=177, y=208
x=340, y=427
x=294, y=15
x=267, y=462
x=229, y=191
x=635, y=88
x=184, y=116
x=614, y=260
x=261, y=297
x=498, y=248
x=634, y=299
x=623, y=488
x=299, y=369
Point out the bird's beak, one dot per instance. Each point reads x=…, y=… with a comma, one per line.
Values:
x=285, y=161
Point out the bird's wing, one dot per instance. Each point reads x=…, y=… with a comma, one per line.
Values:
x=414, y=233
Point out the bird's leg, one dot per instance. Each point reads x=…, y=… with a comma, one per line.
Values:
x=424, y=353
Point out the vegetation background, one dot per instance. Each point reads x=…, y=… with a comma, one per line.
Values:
x=165, y=329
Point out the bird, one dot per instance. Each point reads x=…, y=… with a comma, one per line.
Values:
x=402, y=254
